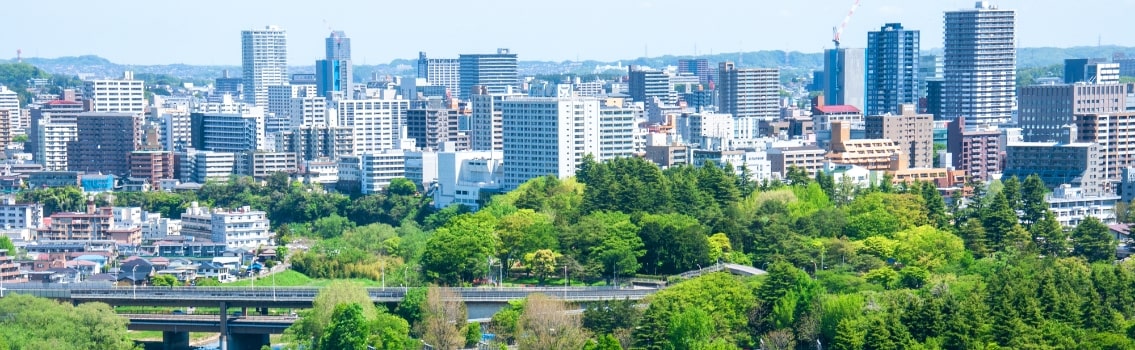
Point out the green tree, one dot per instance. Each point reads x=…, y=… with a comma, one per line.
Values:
x=472, y=334
x=541, y=262
x=848, y=335
x=1093, y=241
x=1032, y=199
x=677, y=243
x=1012, y=189
x=36, y=323
x=928, y=247
x=935, y=206
x=460, y=251
x=605, y=342
x=999, y=221
x=164, y=281
x=401, y=187
x=1050, y=236
x=348, y=329
x=6, y=244
x=690, y=329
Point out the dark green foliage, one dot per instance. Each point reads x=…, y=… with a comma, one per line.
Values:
x=1093, y=241
x=677, y=243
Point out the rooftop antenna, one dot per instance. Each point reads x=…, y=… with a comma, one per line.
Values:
x=836, y=31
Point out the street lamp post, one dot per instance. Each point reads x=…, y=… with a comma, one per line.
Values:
x=134, y=280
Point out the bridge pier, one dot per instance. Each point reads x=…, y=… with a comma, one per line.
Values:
x=223, y=340
x=175, y=340
x=240, y=341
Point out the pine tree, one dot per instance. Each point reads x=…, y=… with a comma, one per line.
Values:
x=1093, y=241
x=999, y=220
x=1012, y=190
x=878, y=335
x=1050, y=235
x=848, y=335
x=935, y=206
x=973, y=233
x=1032, y=199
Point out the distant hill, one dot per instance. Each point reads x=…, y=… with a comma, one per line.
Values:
x=797, y=63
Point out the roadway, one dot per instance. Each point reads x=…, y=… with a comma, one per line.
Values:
x=208, y=323
x=301, y=297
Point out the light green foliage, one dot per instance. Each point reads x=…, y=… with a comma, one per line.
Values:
x=522, y=232
x=401, y=187
x=35, y=323
x=883, y=276
x=605, y=342
x=810, y=200
x=348, y=329
x=460, y=251
x=883, y=214
x=6, y=244
x=879, y=246
x=472, y=334
x=162, y=280
x=541, y=263
x=690, y=329
x=718, y=294
x=928, y=247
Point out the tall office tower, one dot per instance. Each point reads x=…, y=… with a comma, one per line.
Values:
x=10, y=106
x=929, y=68
x=496, y=72
x=698, y=67
x=104, y=142
x=934, y=98
x=913, y=132
x=980, y=65
x=892, y=69
x=377, y=124
x=1044, y=110
x=124, y=95
x=749, y=94
x=264, y=62
x=486, y=121
x=844, y=77
x=440, y=72
x=547, y=136
x=645, y=85
x=231, y=128
x=334, y=73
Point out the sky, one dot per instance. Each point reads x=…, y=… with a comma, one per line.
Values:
x=208, y=31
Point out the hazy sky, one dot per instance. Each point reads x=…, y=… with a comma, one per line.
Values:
x=208, y=31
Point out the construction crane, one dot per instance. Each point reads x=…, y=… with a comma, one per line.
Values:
x=836, y=31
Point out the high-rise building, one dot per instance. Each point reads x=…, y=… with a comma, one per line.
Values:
x=496, y=72
x=892, y=69
x=53, y=127
x=227, y=85
x=975, y=149
x=104, y=142
x=318, y=142
x=264, y=62
x=698, y=67
x=749, y=94
x=280, y=99
x=432, y=124
x=124, y=95
x=645, y=85
x=844, y=76
x=980, y=65
x=934, y=98
x=547, y=136
x=913, y=132
x=1115, y=132
x=1102, y=73
x=1044, y=110
x=334, y=73
x=486, y=121
x=1080, y=164
x=440, y=72
x=153, y=166
x=617, y=126
x=10, y=102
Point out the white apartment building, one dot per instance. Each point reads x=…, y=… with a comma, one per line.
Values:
x=377, y=169
x=280, y=98
x=377, y=124
x=125, y=217
x=203, y=166
x=617, y=126
x=547, y=136
x=241, y=228
x=707, y=130
x=264, y=62
x=52, y=139
x=421, y=166
x=10, y=101
x=124, y=95
x=1071, y=205
x=237, y=228
x=261, y=164
x=311, y=111
x=980, y=66
x=155, y=227
x=20, y=216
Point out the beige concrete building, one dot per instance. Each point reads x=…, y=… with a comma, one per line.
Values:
x=1116, y=133
x=872, y=154
x=913, y=132
x=809, y=158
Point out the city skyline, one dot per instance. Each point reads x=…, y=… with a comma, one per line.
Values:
x=159, y=33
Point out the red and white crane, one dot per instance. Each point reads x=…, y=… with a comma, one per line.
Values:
x=836, y=31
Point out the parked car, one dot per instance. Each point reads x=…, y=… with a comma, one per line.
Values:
x=178, y=312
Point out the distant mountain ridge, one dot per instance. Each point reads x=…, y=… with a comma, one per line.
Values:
x=95, y=66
